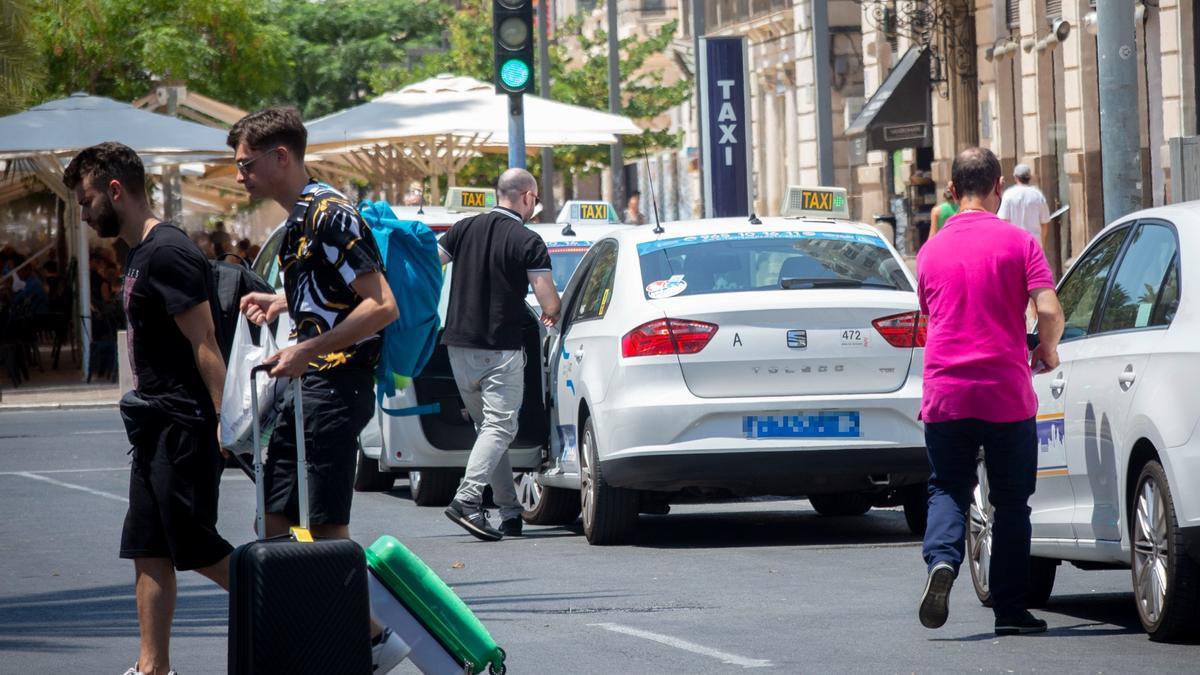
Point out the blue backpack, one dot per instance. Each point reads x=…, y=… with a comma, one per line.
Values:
x=414, y=272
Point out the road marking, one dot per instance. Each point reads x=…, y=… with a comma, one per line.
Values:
x=90, y=433
x=723, y=657
x=72, y=486
x=107, y=468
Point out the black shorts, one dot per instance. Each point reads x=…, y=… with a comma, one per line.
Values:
x=173, y=489
x=338, y=403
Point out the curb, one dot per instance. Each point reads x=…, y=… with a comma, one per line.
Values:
x=82, y=405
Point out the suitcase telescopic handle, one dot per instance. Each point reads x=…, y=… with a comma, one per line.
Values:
x=260, y=522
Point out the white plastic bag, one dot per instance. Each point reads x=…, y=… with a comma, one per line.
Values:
x=236, y=413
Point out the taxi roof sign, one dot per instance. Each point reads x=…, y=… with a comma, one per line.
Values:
x=461, y=199
x=815, y=202
x=578, y=211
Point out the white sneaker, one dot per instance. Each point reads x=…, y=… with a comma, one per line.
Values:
x=135, y=671
x=388, y=654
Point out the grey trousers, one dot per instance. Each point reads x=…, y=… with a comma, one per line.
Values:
x=492, y=385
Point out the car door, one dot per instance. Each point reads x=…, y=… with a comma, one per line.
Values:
x=1126, y=330
x=1053, y=504
x=581, y=344
x=1059, y=424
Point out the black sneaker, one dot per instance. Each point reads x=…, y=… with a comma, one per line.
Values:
x=511, y=527
x=473, y=519
x=1023, y=623
x=935, y=602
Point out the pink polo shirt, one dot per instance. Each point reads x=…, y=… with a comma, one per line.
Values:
x=974, y=280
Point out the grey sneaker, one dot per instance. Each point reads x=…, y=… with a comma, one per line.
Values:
x=135, y=671
x=935, y=602
x=473, y=519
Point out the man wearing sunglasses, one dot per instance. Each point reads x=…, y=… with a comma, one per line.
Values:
x=339, y=302
x=496, y=259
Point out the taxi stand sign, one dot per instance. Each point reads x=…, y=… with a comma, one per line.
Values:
x=478, y=200
x=815, y=202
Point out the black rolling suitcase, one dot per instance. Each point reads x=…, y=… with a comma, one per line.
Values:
x=296, y=606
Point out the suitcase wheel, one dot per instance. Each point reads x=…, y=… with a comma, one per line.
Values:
x=502, y=669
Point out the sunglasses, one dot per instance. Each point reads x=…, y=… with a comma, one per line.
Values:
x=244, y=164
x=537, y=199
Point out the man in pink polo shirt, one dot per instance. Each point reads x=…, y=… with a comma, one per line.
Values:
x=975, y=280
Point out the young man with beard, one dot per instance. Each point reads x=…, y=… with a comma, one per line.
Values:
x=171, y=415
x=339, y=302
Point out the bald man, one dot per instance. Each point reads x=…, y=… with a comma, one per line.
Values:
x=496, y=259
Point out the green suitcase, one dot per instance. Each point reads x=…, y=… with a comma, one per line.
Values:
x=435, y=605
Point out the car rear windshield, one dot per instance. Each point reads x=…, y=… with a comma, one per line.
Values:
x=752, y=261
x=564, y=258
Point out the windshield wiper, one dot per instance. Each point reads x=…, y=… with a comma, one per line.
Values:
x=794, y=282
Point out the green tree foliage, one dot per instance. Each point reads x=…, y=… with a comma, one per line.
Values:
x=20, y=67
x=338, y=46
x=232, y=50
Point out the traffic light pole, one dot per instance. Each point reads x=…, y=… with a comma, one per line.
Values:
x=516, y=131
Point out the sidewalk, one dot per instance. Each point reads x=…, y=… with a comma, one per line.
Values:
x=58, y=389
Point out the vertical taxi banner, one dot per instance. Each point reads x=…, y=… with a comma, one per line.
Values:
x=725, y=125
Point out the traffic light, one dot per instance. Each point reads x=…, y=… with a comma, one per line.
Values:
x=512, y=36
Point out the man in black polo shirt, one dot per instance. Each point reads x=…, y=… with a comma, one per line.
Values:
x=496, y=259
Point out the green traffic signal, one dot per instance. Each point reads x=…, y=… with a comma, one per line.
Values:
x=514, y=73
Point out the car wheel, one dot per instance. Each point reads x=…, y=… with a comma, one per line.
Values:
x=610, y=514
x=842, y=504
x=545, y=505
x=433, y=487
x=368, y=477
x=1166, y=582
x=980, y=517
x=915, y=499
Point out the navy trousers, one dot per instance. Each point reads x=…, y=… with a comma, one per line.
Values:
x=1010, y=453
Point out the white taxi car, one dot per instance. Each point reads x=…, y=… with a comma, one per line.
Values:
x=433, y=444
x=727, y=356
x=1119, y=429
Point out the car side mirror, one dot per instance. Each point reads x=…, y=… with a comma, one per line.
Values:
x=1032, y=341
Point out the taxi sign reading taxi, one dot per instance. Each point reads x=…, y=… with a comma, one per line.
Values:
x=593, y=211
x=815, y=202
x=468, y=199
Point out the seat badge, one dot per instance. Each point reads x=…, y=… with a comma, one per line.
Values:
x=797, y=339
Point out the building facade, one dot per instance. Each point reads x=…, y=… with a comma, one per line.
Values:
x=1017, y=76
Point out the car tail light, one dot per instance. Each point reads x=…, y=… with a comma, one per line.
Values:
x=903, y=330
x=667, y=336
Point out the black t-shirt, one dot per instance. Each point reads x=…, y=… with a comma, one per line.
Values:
x=166, y=274
x=493, y=253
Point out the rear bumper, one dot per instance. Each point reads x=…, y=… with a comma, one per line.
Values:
x=789, y=472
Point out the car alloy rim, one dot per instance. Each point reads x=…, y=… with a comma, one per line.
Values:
x=585, y=477
x=414, y=481
x=529, y=493
x=981, y=529
x=1150, y=550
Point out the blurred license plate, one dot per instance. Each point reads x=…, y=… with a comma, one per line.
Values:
x=831, y=424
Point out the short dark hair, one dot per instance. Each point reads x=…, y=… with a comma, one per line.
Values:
x=107, y=162
x=270, y=127
x=975, y=172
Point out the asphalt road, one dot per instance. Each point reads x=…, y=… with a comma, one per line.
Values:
x=764, y=584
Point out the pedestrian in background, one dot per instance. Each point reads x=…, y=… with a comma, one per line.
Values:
x=339, y=302
x=171, y=415
x=974, y=282
x=943, y=212
x=633, y=209
x=1024, y=205
x=496, y=259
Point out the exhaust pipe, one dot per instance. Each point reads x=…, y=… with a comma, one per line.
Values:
x=880, y=479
